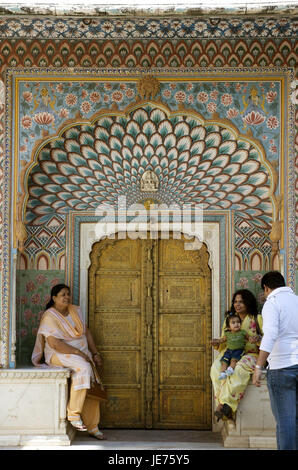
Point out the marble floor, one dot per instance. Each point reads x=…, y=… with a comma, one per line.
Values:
x=138, y=440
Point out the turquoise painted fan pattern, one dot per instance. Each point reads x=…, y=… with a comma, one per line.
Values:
x=196, y=163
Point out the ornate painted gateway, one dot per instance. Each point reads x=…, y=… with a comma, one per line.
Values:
x=163, y=113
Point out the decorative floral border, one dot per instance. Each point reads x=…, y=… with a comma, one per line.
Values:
x=151, y=28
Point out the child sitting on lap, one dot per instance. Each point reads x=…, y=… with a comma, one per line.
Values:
x=236, y=340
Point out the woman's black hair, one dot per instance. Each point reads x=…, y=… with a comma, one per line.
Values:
x=250, y=302
x=55, y=291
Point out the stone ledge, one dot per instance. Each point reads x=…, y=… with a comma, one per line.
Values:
x=255, y=424
x=33, y=407
x=35, y=373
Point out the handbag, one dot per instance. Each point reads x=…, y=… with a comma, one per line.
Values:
x=97, y=389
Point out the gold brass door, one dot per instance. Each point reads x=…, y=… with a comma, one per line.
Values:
x=150, y=314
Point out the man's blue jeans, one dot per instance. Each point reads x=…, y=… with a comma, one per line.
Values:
x=283, y=391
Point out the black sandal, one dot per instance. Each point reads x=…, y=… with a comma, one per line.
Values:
x=227, y=411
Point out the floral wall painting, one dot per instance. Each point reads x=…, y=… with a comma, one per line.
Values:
x=33, y=293
x=88, y=106
x=210, y=140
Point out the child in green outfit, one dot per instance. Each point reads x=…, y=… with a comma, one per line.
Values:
x=236, y=340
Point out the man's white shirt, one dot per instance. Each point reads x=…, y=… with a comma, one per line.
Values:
x=280, y=327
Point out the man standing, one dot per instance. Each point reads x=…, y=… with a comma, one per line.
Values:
x=280, y=347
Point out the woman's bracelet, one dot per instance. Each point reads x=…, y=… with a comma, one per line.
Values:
x=258, y=367
x=95, y=354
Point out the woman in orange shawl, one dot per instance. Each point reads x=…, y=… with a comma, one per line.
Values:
x=64, y=340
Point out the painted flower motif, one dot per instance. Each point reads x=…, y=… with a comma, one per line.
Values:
x=117, y=96
x=44, y=118
x=30, y=286
x=41, y=278
x=272, y=122
x=167, y=93
x=63, y=113
x=243, y=282
x=28, y=314
x=271, y=95
x=84, y=94
x=95, y=97
x=86, y=107
x=232, y=113
x=27, y=95
x=107, y=26
x=39, y=315
x=70, y=99
x=202, y=97
x=130, y=93
x=35, y=299
x=257, y=277
x=26, y=122
x=211, y=107
x=273, y=148
x=226, y=99
x=180, y=96
x=24, y=300
x=59, y=88
x=254, y=118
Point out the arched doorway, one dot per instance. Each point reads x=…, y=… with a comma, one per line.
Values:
x=150, y=314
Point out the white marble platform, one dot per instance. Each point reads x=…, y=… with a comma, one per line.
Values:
x=255, y=424
x=33, y=415
x=33, y=407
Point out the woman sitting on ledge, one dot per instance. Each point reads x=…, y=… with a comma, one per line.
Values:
x=65, y=341
x=228, y=392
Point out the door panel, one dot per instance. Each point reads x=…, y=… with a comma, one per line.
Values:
x=182, y=354
x=150, y=314
x=115, y=297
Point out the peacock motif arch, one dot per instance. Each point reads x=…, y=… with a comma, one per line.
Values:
x=196, y=161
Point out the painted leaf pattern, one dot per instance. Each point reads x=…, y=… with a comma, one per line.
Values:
x=89, y=165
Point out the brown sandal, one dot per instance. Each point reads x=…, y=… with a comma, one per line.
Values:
x=98, y=435
x=78, y=425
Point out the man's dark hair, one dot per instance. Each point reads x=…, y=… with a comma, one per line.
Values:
x=273, y=280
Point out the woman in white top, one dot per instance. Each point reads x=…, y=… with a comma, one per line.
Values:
x=64, y=340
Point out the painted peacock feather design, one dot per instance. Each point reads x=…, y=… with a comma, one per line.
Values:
x=196, y=162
